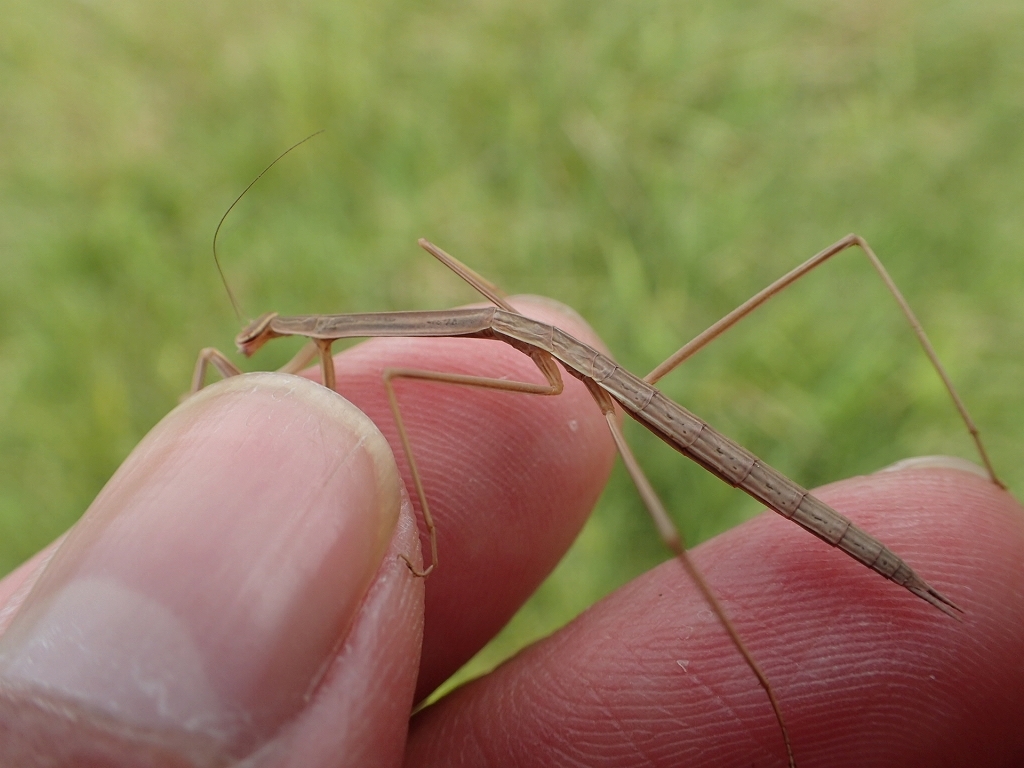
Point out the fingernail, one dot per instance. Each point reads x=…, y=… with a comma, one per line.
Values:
x=936, y=462
x=201, y=596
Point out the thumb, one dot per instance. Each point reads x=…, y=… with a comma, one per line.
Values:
x=223, y=596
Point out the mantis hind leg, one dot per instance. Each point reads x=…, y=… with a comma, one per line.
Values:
x=717, y=329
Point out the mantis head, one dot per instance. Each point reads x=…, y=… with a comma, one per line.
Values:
x=257, y=333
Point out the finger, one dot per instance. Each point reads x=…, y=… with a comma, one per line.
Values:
x=867, y=674
x=510, y=478
x=216, y=598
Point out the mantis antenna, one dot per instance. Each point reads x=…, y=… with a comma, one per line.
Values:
x=216, y=260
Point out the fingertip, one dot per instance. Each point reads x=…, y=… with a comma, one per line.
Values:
x=866, y=673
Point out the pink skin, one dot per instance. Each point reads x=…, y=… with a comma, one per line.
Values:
x=867, y=674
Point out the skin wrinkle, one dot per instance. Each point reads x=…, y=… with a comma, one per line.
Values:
x=603, y=709
x=693, y=677
x=553, y=700
x=564, y=742
x=36, y=565
x=733, y=706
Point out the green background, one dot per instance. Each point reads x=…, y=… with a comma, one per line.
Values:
x=650, y=163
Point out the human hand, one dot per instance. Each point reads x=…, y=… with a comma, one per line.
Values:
x=236, y=589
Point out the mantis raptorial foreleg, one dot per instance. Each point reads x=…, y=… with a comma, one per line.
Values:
x=213, y=357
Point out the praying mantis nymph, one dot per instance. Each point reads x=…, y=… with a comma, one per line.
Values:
x=609, y=384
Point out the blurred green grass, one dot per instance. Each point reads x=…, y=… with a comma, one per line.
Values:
x=651, y=164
